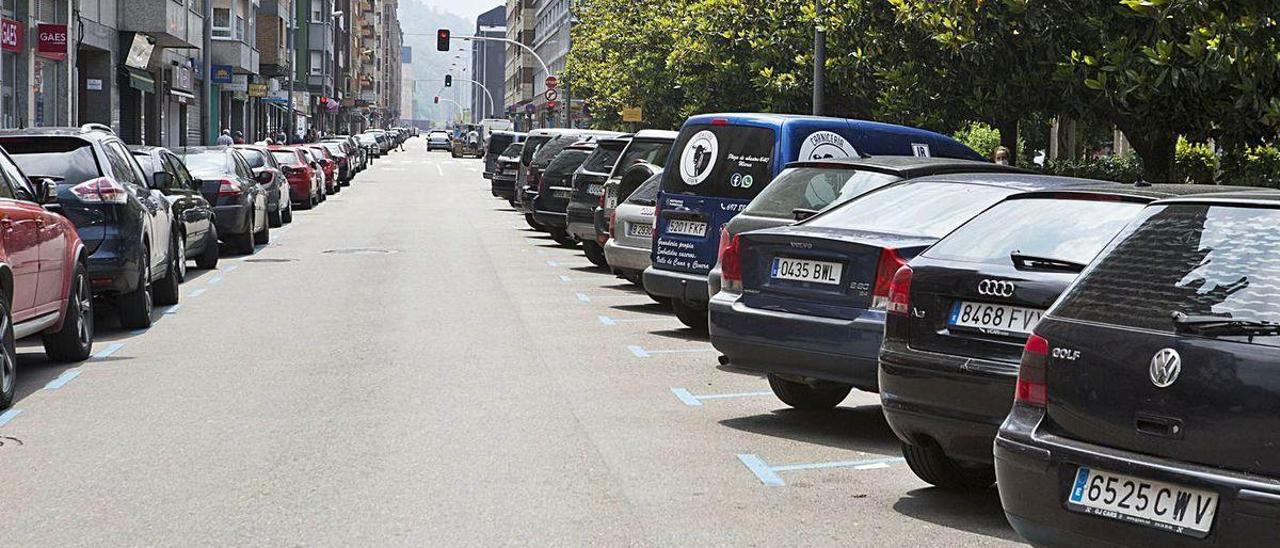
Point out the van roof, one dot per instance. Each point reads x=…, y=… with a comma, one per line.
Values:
x=657, y=134
x=778, y=120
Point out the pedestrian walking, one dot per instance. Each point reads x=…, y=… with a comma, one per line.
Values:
x=225, y=139
x=239, y=138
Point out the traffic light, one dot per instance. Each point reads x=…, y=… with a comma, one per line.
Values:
x=437, y=99
x=448, y=80
x=442, y=40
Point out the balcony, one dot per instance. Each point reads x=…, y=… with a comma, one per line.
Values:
x=242, y=58
x=170, y=23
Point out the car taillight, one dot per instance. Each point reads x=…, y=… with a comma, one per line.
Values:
x=900, y=292
x=227, y=187
x=890, y=262
x=730, y=260
x=102, y=190
x=1031, y=388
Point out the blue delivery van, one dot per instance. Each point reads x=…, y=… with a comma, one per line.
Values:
x=721, y=161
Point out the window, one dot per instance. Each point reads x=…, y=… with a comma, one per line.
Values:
x=239, y=27
x=222, y=22
x=814, y=189
x=68, y=158
x=15, y=177
x=317, y=63
x=927, y=209
x=317, y=11
x=181, y=176
x=121, y=166
x=732, y=162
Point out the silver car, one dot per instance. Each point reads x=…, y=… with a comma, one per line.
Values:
x=628, y=250
x=438, y=140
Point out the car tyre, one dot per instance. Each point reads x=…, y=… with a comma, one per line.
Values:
x=692, y=317
x=594, y=253
x=930, y=464
x=275, y=219
x=243, y=243
x=562, y=237
x=135, y=306
x=808, y=398
x=287, y=215
x=208, y=258
x=166, y=290
x=8, y=356
x=263, y=237
x=533, y=223
x=74, y=342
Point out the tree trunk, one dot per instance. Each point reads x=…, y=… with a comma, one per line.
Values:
x=1008, y=128
x=1156, y=150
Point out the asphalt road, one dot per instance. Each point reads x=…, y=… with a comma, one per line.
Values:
x=408, y=364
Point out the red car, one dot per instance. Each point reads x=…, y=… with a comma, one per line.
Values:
x=42, y=276
x=330, y=165
x=303, y=189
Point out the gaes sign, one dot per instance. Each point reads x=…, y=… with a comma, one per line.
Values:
x=10, y=35
x=51, y=41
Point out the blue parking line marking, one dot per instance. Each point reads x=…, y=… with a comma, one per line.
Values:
x=137, y=332
x=641, y=352
x=605, y=320
x=172, y=309
x=540, y=252
x=584, y=298
x=231, y=268
x=552, y=263
x=686, y=397
x=108, y=351
x=638, y=351
x=762, y=471
x=9, y=415
x=215, y=279
x=566, y=279
x=197, y=292
x=62, y=379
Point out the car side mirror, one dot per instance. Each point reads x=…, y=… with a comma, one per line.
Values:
x=162, y=180
x=46, y=191
x=264, y=177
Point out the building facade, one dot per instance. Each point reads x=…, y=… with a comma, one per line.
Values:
x=488, y=66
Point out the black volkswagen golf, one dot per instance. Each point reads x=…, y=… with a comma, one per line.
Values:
x=1148, y=398
x=965, y=307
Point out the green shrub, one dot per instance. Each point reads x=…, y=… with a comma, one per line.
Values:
x=1195, y=163
x=980, y=137
x=1253, y=166
x=1124, y=169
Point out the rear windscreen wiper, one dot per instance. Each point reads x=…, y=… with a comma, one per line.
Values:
x=1219, y=325
x=1031, y=262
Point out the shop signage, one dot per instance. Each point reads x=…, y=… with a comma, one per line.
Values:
x=93, y=84
x=51, y=41
x=239, y=84
x=10, y=35
x=257, y=90
x=220, y=74
x=181, y=78
x=140, y=51
x=632, y=114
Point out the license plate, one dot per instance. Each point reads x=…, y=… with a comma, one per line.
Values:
x=686, y=228
x=640, y=230
x=595, y=190
x=999, y=319
x=804, y=270
x=1151, y=503
x=561, y=193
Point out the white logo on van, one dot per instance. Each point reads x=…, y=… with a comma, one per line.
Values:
x=699, y=157
x=825, y=145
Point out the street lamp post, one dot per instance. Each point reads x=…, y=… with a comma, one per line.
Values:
x=819, y=59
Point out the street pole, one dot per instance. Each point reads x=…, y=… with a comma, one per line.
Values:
x=819, y=59
x=487, y=94
x=289, y=124
x=206, y=86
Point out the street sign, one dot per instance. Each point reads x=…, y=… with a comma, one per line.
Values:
x=632, y=114
x=551, y=95
x=552, y=82
x=530, y=108
x=551, y=105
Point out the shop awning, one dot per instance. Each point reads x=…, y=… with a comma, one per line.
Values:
x=141, y=80
x=182, y=94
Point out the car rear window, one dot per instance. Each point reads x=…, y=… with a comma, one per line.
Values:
x=1197, y=259
x=926, y=208
x=207, y=163
x=499, y=142
x=68, y=158
x=1072, y=230
x=566, y=163
x=531, y=147
x=513, y=150
x=642, y=150
x=334, y=148
x=285, y=157
x=253, y=157
x=814, y=188
x=552, y=149
x=602, y=160
x=721, y=161
x=647, y=192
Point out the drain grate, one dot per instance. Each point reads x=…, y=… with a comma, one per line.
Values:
x=269, y=260
x=361, y=251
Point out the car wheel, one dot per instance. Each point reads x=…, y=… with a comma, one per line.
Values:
x=8, y=356
x=511, y=202
x=665, y=301
x=808, y=398
x=74, y=342
x=166, y=290
x=308, y=203
x=135, y=306
x=275, y=218
x=243, y=242
x=287, y=216
x=562, y=237
x=208, y=258
x=692, y=317
x=632, y=276
x=264, y=237
x=594, y=253
x=930, y=464
x=534, y=224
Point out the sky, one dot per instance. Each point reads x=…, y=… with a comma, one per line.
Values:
x=468, y=9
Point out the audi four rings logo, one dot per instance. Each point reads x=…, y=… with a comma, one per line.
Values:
x=995, y=288
x=1166, y=365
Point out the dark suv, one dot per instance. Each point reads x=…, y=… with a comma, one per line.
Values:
x=584, y=198
x=1146, y=401
x=126, y=226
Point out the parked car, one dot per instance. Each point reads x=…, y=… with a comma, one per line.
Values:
x=496, y=142
x=439, y=139
x=351, y=147
x=239, y=202
x=344, y=163
x=127, y=227
x=702, y=188
x=584, y=193
x=370, y=145
x=279, y=206
x=304, y=187
x=317, y=167
x=197, y=237
x=556, y=185
x=805, y=188
x=1144, y=408
x=505, y=171
x=588, y=217
x=328, y=167
x=805, y=304
x=48, y=292
x=546, y=144
x=630, y=228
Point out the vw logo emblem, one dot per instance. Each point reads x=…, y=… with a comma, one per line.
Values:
x=1166, y=365
x=995, y=288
